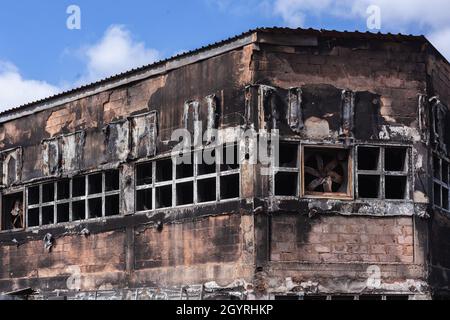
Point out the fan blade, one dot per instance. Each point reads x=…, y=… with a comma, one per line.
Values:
x=335, y=177
x=319, y=160
x=331, y=166
x=312, y=172
x=315, y=184
x=328, y=185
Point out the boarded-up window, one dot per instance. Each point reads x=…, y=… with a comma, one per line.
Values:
x=144, y=132
x=11, y=166
x=117, y=141
x=72, y=151
x=51, y=156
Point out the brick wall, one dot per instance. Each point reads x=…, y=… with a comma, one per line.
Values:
x=342, y=239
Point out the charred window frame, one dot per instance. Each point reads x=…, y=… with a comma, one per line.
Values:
x=86, y=197
x=383, y=172
x=286, y=169
x=325, y=169
x=12, y=211
x=441, y=183
x=165, y=183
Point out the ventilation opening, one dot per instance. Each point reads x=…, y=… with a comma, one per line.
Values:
x=112, y=180
x=396, y=188
x=112, y=206
x=79, y=210
x=395, y=159
x=229, y=187
x=288, y=155
x=48, y=215
x=206, y=190
x=369, y=187
x=164, y=170
x=12, y=212
x=144, y=174
x=185, y=166
x=207, y=164
x=286, y=184
x=33, y=218
x=95, y=183
x=164, y=197
x=185, y=193
x=144, y=200
x=64, y=190
x=33, y=196
x=79, y=187
x=48, y=193
x=368, y=158
x=95, y=208
x=63, y=213
x=230, y=158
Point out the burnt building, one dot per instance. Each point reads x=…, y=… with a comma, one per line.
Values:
x=356, y=205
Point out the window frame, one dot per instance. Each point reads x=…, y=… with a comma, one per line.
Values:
x=440, y=182
x=289, y=170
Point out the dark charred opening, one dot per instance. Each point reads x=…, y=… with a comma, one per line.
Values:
x=164, y=197
x=288, y=155
x=95, y=183
x=229, y=187
x=315, y=298
x=64, y=190
x=185, y=193
x=112, y=206
x=397, y=298
x=79, y=210
x=286, y=184
x=13, y=212
x=370, y=298
x=48, y=215
x=206, y=190
x=395, y=159
x=63, y=214
x=164, y=170
x=445, y=172
x=33, y=196
x=207, y=163
x=144, y=174
x=79, y=187
x=112, y=180
x=95, y=208
x=48, y=193
x=437, y=195
x=369, y=186
x=368, y=158
x=445, y=199
x=33, y=218
x=437, y=168
x=396, y=187
x=230, y=158
x=144, y=200
x=185, y=166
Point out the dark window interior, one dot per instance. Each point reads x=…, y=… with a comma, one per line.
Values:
x=64, y=190
x=371, y=298
x=33, y=196
x=288, y=155
x=95, y=183
x=112, y=180
x=185, y=166
x=230, y=158
x=33, y=218
x=229, y=187
x=112, y=205
x=48, y=216
x=207, y=164
x=395, y=159
x=144, y=174
x=63, y=213
x=144, y=200
x=368, y=158
x=164, y=170
x=445, y=199
x=48, y=193
x=315, y=298
x=397, y=298
x=79, y=210
x=12, y=212
x=95, y=208
x=164, y=197
x=396, y=187
x=437, y=168
x=79, y=187
x=286, y=184
x=185, y=193
x=343, y=298
x=206, y=190
x=369, y=186
x=437, y=195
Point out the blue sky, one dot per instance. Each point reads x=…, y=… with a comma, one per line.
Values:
x=39, y=56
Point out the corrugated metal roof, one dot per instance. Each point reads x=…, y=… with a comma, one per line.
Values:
x=315, y=32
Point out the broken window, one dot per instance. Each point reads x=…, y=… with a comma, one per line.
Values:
x=229, y=172
x=327, y=172
x=12, y=217
x=383, y=172
x=51, y=156
x=441, y=184
x=117, y=141
x=80, y=198
x=11, y=166
x=72, y=151
x=441, y=126
x=144, y=132
x=286, y=169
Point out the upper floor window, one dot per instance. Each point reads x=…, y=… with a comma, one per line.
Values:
x=441, y=183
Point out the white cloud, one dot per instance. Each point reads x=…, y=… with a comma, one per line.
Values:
x=15, y=90
x=116, y=52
